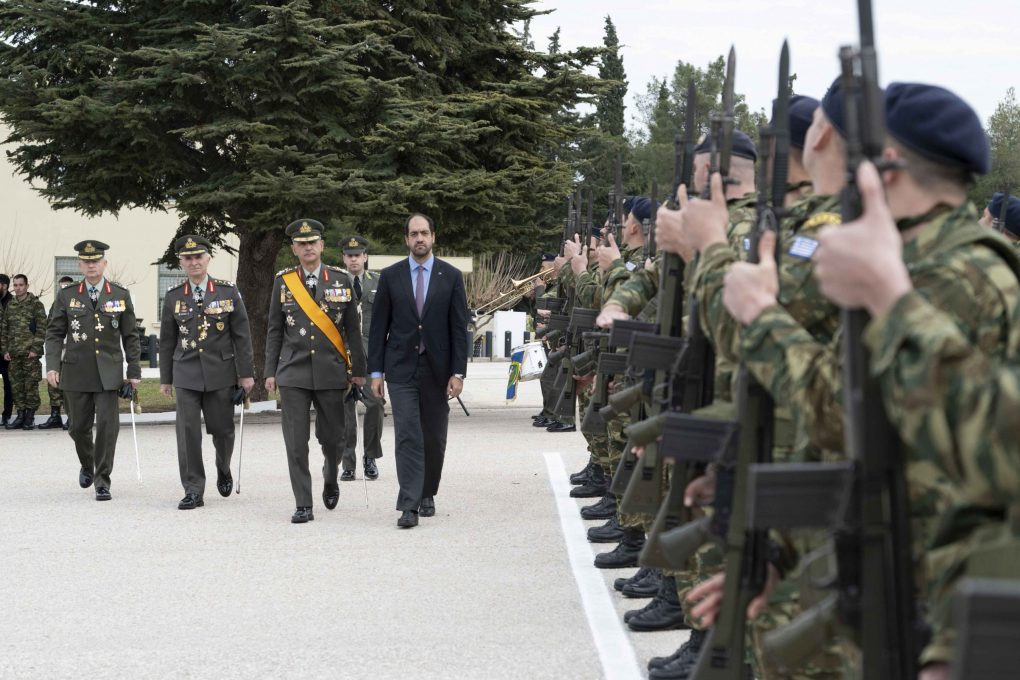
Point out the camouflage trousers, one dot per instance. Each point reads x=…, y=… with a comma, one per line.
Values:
x=598, y=444
x=56, y=396
x=25, y=376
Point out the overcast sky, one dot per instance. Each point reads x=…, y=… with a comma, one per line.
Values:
x=971, y=48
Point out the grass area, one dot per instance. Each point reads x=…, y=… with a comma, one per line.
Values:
x=149, y=398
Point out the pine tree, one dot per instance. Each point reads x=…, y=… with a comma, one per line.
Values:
x=243, y=116
x=1004, y=138
x=609, y=110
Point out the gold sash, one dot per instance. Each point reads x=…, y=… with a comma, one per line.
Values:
x=316, y=315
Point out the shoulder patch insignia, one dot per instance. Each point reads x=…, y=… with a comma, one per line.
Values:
x=631, y=266
x=822, y=218
x=803, y=247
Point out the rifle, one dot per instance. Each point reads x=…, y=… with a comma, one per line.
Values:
x=745, y=548
x=874, y=599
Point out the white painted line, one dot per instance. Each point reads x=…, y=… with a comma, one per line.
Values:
x=616, y=653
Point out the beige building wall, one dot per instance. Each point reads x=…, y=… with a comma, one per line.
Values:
x=33, y=236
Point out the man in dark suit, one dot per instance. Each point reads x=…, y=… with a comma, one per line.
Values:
x=418, y=344
x=205, y=353
x=365, y=284
x=313, y=353
x=90, y=335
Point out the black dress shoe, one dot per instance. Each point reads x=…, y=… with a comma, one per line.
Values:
x=427, y=507
x=330, y=497
x=408, y=519
x=190, y=502
x=347, y=476
x=542, y=422
x=224, y=483
x=537, y=416
x=102, y=493
x=84, y=478
x=302, y=515
x=561, y=427
x=371, y=469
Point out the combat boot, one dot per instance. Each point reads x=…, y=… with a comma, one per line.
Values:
x=54, y=420
x=604, y=509
x=596, y=486
x=582, y=476
x=625, y=554
x=645, y=587
x=681, y=662
x=610, y=532
x=669, y=615
x=29, y=423
x=638, y=575
x=18, y=422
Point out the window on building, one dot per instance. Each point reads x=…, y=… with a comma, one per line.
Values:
x=65, y=265
x=168, y=278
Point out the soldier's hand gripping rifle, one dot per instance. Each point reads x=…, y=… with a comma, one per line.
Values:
x=874, y=599
x=566, y=403
x=749, y=442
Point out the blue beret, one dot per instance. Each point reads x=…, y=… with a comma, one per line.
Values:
x=548, y=257
x=742, y=146
x=832, y=105
x=628, y=205
x=938, y=125
x=802, y=112
x=1012, y=212
x=642, y=208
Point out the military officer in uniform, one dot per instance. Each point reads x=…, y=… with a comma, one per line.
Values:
x=365, y=283
x=314, y=352
x=90, y=335
x=205, y=353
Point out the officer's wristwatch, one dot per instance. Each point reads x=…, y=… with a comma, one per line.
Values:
x=459, y=375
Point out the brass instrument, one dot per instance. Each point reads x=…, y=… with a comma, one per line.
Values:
x=518, y=289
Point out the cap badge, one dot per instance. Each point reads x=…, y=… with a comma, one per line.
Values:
x=191, y=244
x=305, y=229
x=89, y=248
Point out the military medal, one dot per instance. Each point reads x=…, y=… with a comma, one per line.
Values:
x=115, y=324
x=99, y=326
x=84, y=336
x=75, y=324
x=220, y=326
x=290, y=320
x=302, y=331
x=323, y=306
x=76, y=337
x=184, y=330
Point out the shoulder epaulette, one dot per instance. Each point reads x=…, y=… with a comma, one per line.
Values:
x=338, y=269
x=116, y=285
x=179, y=285
x=284, y=271
x=224, y=282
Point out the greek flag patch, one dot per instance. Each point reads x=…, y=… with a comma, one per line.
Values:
x=630, y=266
x=747, y=245
x=803, y=247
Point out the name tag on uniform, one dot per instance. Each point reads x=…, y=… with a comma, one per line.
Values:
x=803, y=247
x=114, y=306
x=339, y=294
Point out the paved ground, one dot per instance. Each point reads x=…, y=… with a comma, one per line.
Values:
x=135, y=588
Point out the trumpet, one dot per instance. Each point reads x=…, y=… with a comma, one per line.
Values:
x=518, y=289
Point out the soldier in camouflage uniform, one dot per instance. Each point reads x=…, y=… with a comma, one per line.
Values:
x=8, y=405
x=956, y=265
x=56, y=395
x=1008, y=227
x=816, y=143
x=22, y=337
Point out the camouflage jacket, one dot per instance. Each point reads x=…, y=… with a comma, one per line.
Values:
x=977, y=288
x=621, y=269
x=24, y=327
x=588, y=288
x=798, y=295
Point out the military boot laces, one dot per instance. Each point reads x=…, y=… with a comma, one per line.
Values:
x=584, y=475
x=53, y=421
x=596, y=486
x=669, y=615
x=625, y=554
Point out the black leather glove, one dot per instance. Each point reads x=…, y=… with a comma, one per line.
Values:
x=356, y=393
x=126, y=391
x=239, y=395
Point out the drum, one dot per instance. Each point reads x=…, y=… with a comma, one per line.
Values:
x=534, y=360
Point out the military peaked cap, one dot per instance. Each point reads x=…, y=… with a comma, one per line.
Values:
x=91, y=250
x=190, y=244
x=304, y=230
x=937, y=124
x=355, y=245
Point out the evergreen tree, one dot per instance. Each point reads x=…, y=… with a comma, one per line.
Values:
x=1004, y=138
x=243, y=116
x=609, y=110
